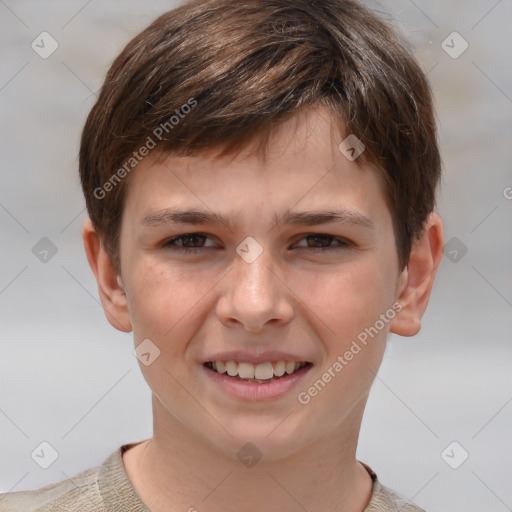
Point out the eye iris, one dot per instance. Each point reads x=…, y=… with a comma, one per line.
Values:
x=188, y=238
x=316, y=238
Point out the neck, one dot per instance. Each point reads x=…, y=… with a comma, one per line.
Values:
x=176, y=470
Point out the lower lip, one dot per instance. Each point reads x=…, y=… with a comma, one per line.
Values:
x=256, y=390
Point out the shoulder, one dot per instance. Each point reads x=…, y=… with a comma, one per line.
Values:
x=80, y=491
x=100, y=489
x=384, y=499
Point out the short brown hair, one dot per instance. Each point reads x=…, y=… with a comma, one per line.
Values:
x=248, y=65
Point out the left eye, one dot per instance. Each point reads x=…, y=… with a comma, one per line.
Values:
x=322, y=242
x=196, y=241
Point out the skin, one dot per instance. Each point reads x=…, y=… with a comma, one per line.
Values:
x=293, y=298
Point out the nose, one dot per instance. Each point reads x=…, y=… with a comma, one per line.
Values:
x=255, y=296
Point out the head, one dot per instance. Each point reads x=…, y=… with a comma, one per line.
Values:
x=237, y=111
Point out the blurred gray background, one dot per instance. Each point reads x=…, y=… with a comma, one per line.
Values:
x=68, y=378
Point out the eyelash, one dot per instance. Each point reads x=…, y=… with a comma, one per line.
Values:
x=343, y=243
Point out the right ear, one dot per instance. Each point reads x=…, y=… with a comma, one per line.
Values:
x=110, y=284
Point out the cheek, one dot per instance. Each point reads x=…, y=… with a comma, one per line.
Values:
x=163, y=301
x=343, y=302
x=349, y=305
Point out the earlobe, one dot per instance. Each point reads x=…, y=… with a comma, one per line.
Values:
x=110, y=284
x=416, y=281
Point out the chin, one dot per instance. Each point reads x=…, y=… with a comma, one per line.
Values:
x=271, y=440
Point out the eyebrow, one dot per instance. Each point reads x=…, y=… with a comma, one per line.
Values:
x=304, y=218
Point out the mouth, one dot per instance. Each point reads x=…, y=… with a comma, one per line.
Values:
x=260, y=373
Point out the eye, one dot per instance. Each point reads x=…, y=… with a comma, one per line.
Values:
x=190, y=242
x=322, y=242
x=193, y=242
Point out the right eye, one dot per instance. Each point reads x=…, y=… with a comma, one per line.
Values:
x=189, y=242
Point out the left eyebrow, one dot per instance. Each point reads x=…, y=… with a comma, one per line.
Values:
x=304, y=218
x=307, y=218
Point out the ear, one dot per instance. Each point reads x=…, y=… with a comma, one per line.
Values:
x=417, y=279
x=110, y=284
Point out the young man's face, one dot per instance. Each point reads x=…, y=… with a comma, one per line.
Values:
x=262, y=289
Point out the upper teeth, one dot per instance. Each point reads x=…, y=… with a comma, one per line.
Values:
x=261, y=371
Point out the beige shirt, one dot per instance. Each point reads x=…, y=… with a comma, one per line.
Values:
x=107, y=488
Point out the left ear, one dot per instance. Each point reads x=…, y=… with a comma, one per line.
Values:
x=417, y=279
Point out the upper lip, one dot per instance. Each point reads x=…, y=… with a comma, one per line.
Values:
x=254, y=357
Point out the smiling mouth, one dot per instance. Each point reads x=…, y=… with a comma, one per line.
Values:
x=262, y=373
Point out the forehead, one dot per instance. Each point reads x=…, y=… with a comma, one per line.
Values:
x=301, y=168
